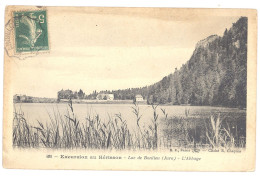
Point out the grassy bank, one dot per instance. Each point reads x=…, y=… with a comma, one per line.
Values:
x=66, y=131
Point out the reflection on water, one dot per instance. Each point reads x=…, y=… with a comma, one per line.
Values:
x=175, y=129
x=40, y=111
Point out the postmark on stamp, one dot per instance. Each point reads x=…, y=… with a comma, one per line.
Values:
x=31, y=31
x=26, y=33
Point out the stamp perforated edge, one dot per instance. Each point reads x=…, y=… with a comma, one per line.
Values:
x=10, y=33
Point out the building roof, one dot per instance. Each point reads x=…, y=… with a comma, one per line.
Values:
x=138, y=96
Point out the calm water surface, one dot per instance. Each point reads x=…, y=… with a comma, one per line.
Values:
x=40, y=111
x=170, y=129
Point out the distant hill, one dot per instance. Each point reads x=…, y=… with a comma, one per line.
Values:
x=216, y=74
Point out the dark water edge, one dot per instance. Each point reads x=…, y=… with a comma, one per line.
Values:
x=191, y=132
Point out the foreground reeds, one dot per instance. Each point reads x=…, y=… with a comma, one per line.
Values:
x=66, y=131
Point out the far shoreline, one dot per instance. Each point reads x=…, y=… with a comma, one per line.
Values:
x=130, y=102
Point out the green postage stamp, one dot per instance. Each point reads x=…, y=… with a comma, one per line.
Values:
x=31, y=31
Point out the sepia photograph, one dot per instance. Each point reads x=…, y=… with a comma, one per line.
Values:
x=148, y=86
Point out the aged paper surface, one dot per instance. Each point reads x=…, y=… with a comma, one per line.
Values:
x=129, y=88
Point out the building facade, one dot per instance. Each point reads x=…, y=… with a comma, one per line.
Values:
x=105, y=96
x=139, y=98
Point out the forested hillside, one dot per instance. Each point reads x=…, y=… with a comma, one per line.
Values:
x=216, y=74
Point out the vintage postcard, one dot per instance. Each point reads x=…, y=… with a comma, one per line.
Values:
x=129, y=88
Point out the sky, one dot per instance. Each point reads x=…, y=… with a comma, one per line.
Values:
x=110, y=50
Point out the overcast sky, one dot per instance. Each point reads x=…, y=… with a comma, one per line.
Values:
x=113, y=51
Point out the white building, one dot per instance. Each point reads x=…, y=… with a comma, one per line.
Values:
x=139, y=98
x=110, y=96
x=105, y=96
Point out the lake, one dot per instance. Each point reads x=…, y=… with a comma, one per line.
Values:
x=39, y=111
x=171, y=128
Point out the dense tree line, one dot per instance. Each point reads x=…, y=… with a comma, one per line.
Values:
x=124, y=94
x=216, y=74
x=69, y=94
